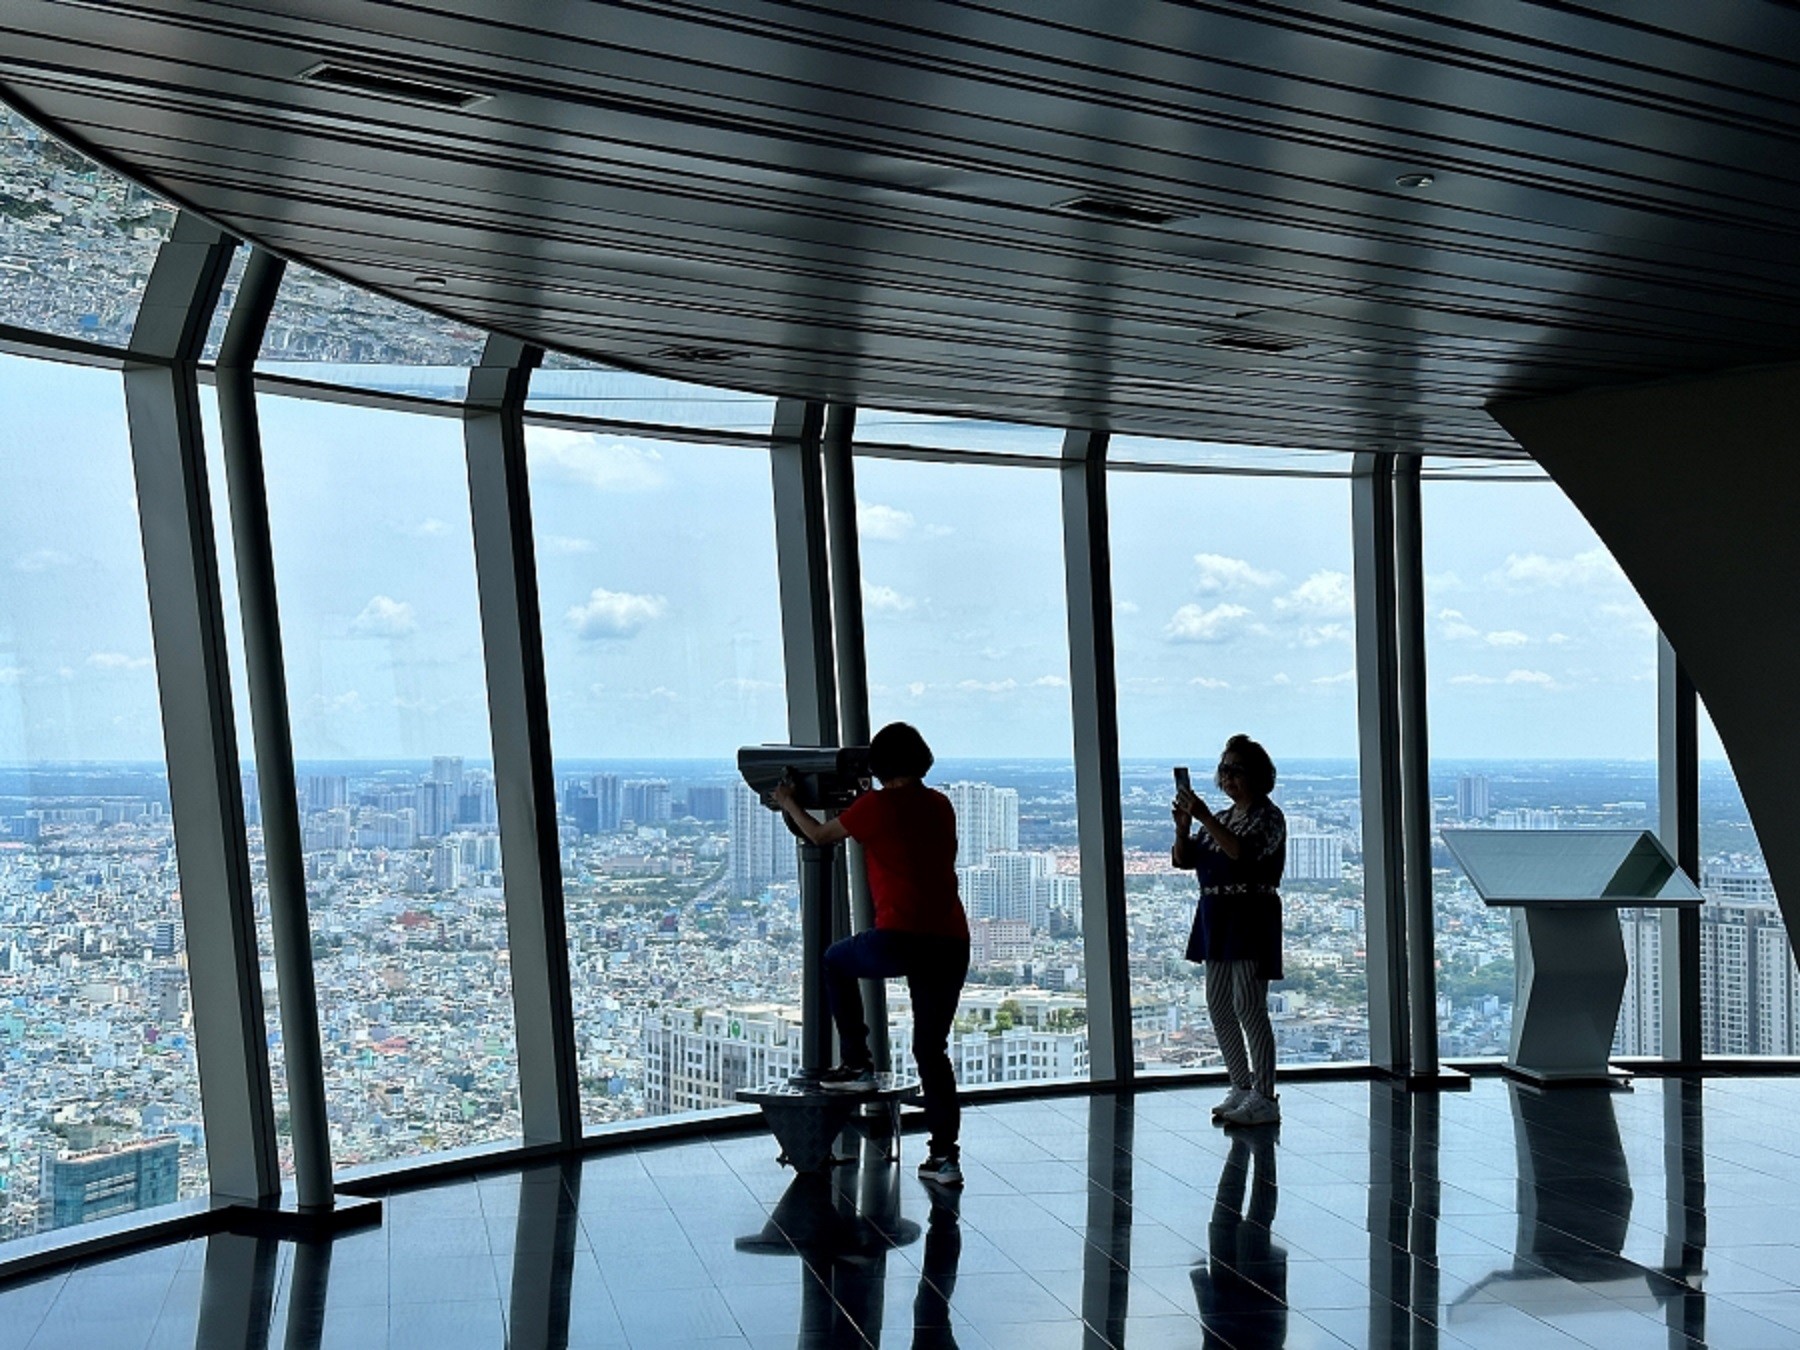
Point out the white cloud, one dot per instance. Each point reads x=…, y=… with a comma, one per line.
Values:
x=1125, y=607
x=1536, y=677
x=428, y=529
x=604, y=465
x=1323, y=594
x=886, y=600
x=1473, y=679
x=565, y=544
x=348, y=701
x=1005, y=686
x=1509, y=637
x=1632, y=617
x=614, y=614
x=1557, y=639
x=119, y=661
x=1191, y=623
x=1342, y=677
x=41, y=560
x=916, y=688
x=1049, y=682
x=886, y=523
x=384, y=616
x=939, y=531
x=1217, y=573
x=11, y=674
x=1208, y=682
x=1282, y=677
x=1321, y=634
x=742, y=685
x=1454, y=627
x=1591, y=568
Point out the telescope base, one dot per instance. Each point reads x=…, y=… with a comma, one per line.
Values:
x=806, y=1121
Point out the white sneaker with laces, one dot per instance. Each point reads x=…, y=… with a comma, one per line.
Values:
x=1256, y=1110
x=1233, y=1099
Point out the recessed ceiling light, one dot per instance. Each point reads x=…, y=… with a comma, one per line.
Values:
x=431, y=283
x=1413, y=182
x=1117, y=210
x=1257, y=344
x=694, y=356
x=390, y=84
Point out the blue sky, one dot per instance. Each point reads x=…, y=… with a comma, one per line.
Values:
x=658, y=593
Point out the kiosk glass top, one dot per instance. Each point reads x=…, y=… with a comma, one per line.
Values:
x=1620, y=868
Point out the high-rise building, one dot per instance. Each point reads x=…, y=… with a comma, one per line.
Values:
x=646, y=801
x=987, y=820
x=324, y=792
x=1314, y=857
x=78, y=1188
x=1472, y=796
x=583, y=808
x=446, y=866
x=162, y=938
x=608, y=793
x=708, y=803
x=447, y=770
x=1527, y=818
x=762, y=847
x=435, y=806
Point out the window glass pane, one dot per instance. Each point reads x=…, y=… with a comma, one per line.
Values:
x=375, y=563
x=662, y=644
x=99, y=1099
x=582, y=389
x=1233, y=613
x=76, y=242
x=956, y=433
x=332, y=333
x=1542, y=687
x=967, y=637
x=1749, y=982
x=1243, y=458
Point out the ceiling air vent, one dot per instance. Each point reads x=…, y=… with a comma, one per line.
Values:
x=694, y=356
x=1258, y=344
x=361, y=80
x=1118, y=211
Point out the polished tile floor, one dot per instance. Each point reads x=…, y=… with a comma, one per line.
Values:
x=1668, y=1216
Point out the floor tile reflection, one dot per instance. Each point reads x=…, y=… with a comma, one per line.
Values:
x=1497, y=1217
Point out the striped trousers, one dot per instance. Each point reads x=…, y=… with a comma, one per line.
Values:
x=1238, y=1004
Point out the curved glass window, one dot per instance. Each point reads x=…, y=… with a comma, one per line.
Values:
x=76, y=240
x=1542, y=684
x=967, y=636
x=662, y=645
x=1233, y=613
x=369, y=515
x=329, y=332
x=100, y=1095
x=967, y=434
x=572, y=387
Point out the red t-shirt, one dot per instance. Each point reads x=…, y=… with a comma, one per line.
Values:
x=908, y=835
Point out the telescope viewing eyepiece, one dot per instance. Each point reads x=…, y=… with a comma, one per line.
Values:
x=825, y=778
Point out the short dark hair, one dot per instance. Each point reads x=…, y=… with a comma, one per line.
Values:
x=1259, y=768
x=899, y=751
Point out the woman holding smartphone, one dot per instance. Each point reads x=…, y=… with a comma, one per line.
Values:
x=1238, y=856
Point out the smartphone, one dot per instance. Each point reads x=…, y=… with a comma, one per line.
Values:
x=1182, y=782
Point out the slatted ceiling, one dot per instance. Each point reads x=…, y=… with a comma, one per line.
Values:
x=865, y=204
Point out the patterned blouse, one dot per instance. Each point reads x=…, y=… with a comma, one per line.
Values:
x=1239, y=916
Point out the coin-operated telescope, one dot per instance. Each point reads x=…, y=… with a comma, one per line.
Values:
x=825, y=778
x=828, y=779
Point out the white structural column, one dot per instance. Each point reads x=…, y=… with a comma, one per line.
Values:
x=188, y=633
x=1094, y=704
x=1692, y=486
x=1378, y=724
x=512, y=639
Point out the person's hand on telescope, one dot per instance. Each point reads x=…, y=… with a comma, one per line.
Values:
x=783, y=794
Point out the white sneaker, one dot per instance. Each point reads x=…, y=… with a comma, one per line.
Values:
x=1233, y=1099
x=1256, y=1110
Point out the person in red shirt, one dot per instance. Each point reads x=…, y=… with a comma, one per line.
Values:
x=908, y=835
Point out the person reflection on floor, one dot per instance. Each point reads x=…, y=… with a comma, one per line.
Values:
x=1242, y=1285
x=937, y=1276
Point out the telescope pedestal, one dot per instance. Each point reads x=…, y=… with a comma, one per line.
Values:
x=806, y=1121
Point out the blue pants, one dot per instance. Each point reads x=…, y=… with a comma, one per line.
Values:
x=935, y=968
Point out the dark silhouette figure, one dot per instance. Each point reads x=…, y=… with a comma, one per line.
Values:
x=1242, y=1285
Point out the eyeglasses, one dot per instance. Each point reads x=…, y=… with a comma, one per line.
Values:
x=1230, y=770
